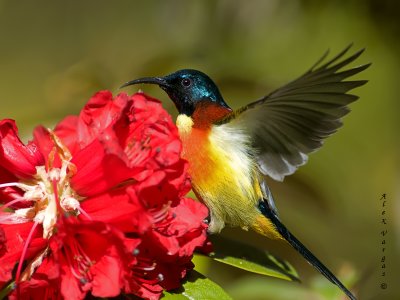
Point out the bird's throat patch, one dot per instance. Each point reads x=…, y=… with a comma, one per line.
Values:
x=184, y=124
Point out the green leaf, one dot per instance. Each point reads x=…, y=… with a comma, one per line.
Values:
x=251, y=259
x=197, y=287
x=5, y=291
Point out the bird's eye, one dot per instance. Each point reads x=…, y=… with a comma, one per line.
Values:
x=186, y=82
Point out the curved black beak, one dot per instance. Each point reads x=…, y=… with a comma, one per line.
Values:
x=150, y=80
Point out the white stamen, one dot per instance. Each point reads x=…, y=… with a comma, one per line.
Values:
x=3, y=185
x=27, y=213
x=39, y=218
x=54, y=174
x=84, y=213
x=69, y=204
x=16, y=200
x=50, y=217
x=20, y=185
x=36, y=193
x=11, y=218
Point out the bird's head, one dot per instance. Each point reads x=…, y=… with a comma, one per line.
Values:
x=187, y=89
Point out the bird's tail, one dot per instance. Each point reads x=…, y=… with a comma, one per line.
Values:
x=296, y=244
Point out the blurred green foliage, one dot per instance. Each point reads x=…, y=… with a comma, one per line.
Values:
x=55, y=54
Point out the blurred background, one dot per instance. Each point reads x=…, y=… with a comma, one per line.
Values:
x=55, y=54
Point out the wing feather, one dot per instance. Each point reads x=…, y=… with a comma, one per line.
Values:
x=293, y=121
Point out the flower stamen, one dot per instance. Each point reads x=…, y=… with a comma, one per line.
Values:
x=12, y=202
x=79, y=263
x=22, y=258
x=22, y=215
x=161, y=214
x=83, y=212
x=22, y=186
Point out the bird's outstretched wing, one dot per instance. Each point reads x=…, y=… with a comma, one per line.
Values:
x=294, y=120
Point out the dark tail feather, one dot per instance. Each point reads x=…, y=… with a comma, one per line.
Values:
x=296, y=244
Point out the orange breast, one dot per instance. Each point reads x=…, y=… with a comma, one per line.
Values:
x=197, y=148
x=207, y=113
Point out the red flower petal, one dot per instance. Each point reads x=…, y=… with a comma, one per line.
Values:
x=15, y=237
x=9, y=193
x=97, y=170
x=45, y=144
x=66, y=130
x=44, y=284
x=120, y=208
x=20, y=159
x=99, y=113
x=2, y=242
x=93, y=251
x=107, y=270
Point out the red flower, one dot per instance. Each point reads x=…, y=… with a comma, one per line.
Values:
x=97, y=204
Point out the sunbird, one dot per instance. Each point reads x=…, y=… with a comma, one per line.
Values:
x=230, y=152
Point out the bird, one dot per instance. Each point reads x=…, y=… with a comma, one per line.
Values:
x=231, y=152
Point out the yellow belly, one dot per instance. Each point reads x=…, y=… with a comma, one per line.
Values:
x=223, y=175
